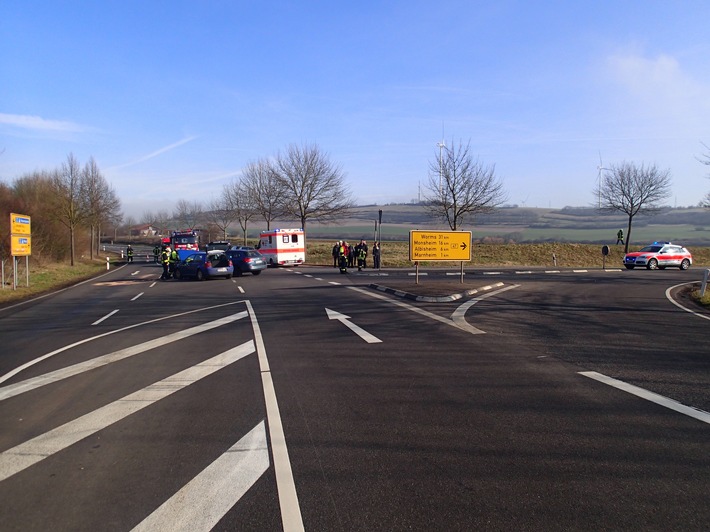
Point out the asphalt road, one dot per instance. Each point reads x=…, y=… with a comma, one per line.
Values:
x=303, y=399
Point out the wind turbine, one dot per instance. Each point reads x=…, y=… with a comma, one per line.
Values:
x=600, y=169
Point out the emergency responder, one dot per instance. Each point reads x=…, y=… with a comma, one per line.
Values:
x=620, y=236
x=129, y=253
x=173, y=260
x=165, y=261
x=156, y=254
x=361, y=254
x=343, y=257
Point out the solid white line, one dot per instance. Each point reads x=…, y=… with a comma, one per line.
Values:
x=202, y=502
x=459, y=315
x=291, y=518
x=61, y=290
x=139, y=295
x=700, y=415
x=105, y=317
x=17, y=370
x=63, y=373
x=37, y=449
x=668, y=296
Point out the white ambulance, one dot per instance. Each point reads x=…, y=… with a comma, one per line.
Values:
x=283, y=247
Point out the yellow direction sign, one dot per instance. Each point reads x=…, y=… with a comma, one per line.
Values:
x=440, y=245
x=20, y=245
x=19, y=224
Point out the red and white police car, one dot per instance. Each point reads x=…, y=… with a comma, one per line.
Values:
x=658, y=256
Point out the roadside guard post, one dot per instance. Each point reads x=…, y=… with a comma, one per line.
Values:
x=440, y=246
x=704, y=286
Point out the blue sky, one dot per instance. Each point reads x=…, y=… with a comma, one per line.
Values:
x=174, y=98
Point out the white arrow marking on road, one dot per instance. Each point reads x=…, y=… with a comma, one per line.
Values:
x=362, y=333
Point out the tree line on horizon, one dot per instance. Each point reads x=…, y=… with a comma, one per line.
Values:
x=70, y=205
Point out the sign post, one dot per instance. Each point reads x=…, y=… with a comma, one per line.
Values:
x=440, y=246
x=20, y=243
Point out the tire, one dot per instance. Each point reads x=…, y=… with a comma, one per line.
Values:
x=629, y=266
x=177, y=275
x=229, y=276
x=652, y=264
x=256, y=272
x=199, y=275
x=684, y=264
x=238, y=272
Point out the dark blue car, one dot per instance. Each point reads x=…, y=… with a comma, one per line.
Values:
x=202, y=265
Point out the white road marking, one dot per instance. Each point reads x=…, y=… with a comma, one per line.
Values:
x=203, y=501
x=139, y=295
x=668, y=296
x=135, y=272
x=105, y=317
x=60, y=374
x=459, y=315
x=37, y=449
x=667, y=402
x=362, y=333
x=152, y=284
x=291, y=518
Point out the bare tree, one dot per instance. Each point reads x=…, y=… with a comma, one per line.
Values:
x=188, y=214
x=461, y=187
x=633, y=190
x=243, y=204
x=262, y=189
x=220, y=213
x=100, y=201
x=68, y=206
x=314, y=187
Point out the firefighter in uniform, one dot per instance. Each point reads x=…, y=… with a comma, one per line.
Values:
x=156, y=254
x=165, y=261
x=173, y=260
x=343, y=258
x=129, y=253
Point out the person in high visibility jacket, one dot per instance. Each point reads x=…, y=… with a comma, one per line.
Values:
x=173, y=260
x=129, y=253
x=165, y=261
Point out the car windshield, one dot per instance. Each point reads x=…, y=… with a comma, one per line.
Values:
x=652, y=249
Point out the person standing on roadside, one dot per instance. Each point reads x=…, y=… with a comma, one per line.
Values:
x=620, y=236
x=376, y=255
x=156, y=254
x=129, y=253
x=173, y=260
x=363, y=247
x=336, y=252
x=165, y=261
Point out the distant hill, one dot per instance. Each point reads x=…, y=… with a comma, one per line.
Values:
x=690, y=226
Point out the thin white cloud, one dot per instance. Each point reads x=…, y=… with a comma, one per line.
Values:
x=661, y=83
x=155, y=153
x=37, y=123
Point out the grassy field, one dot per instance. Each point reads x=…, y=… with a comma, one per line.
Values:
x=395, y=254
